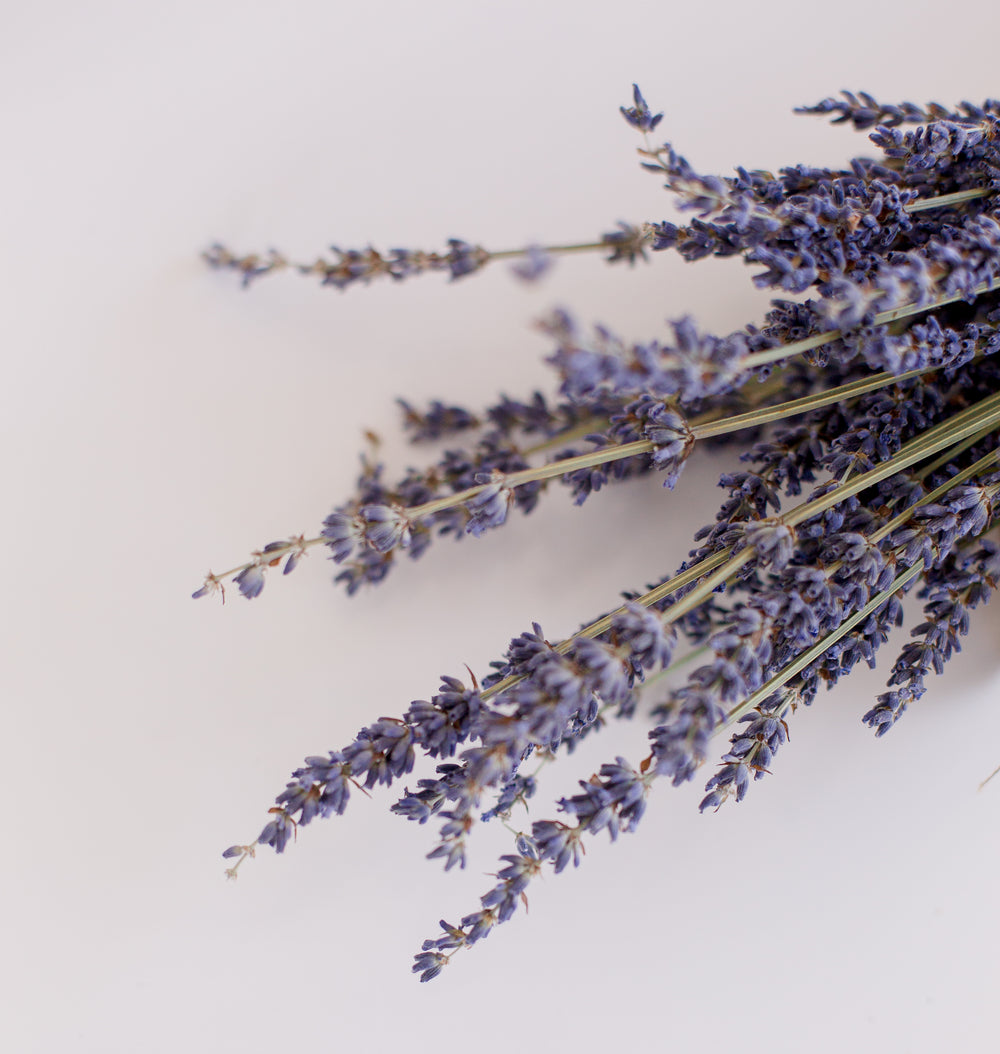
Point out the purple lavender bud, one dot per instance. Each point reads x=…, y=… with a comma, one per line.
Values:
x=681, y=743
x=446, y=720
x=800, y=624
x=651, y=643
x=732, y=780
x=627, y=243
x=489, y=765
x=478, y=925
x=439, y=420
x=429, y=965
x=773, y=541
x=385, y=527
x=525, y=649
x=520, y=869
x=251, y=581
x=865, y=560
x=211, y=585
x=437, y=733
x=451, y=851
x=489, y=507
x=639, y=115
x=713, y=800
x=536, y=263
x=422, y=804
x=594, y=809
x=973, y=506
x=518, y=789
x=890, y=707
x=344, y=533
x=556, y=842
x=277, y=831
x=524, y=844
x=431, y=794
x=382, y=752
x=504, y=898
x=673, y=441
x=627, y=788
x=603, y=672
x=463, y=258
x=864, y=112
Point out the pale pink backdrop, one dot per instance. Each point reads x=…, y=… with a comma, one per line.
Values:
x=158, y=421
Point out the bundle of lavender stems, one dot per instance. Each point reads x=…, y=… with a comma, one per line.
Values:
x=865, y=416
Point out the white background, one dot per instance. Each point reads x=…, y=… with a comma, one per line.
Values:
x=158, y=421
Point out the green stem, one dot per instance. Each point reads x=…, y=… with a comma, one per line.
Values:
x=767, y=415
x=940, y=201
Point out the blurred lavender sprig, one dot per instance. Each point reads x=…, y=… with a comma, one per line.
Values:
x=878, y=394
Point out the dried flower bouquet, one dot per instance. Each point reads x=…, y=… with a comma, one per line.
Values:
x=882, y=393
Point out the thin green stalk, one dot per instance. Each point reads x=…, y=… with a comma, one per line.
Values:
x=948, y=455
x=506, y=254
x=944, y=200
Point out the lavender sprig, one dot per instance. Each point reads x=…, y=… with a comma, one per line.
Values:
x=378, y=523
x=350, y=267
x=863, y=111
x=952, y=591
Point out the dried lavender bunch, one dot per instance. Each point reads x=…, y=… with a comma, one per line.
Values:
x=874, y=405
